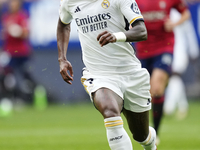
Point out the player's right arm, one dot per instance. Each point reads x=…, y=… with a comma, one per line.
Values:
x=63, y=33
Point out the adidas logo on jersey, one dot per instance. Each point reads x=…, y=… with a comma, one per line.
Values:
x=77, y=10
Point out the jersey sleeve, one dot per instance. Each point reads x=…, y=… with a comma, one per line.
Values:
x=180, y=5
x=130, y=10
x=64, y=14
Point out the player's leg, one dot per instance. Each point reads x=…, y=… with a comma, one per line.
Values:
x=182, y=102
x=109, y=104
x=175, y=92
x=175, y=95
x=139, y=127
x=159, y=79
x=137, y=103
x=27, y=80
x=171, y=97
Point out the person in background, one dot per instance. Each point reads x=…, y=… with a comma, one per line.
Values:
x=113, y=76
x=17, y=82
x=156, y=53
x=186, y=47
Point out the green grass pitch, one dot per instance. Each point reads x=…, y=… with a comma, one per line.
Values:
x=81, y=127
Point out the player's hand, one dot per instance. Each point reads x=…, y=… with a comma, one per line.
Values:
x=169, y=25
x=65, y=67
x=105, y=38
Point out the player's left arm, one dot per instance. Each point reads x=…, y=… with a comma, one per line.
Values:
x=184, y=16
x=170, y=25
x=136, y=33
x=180, y=6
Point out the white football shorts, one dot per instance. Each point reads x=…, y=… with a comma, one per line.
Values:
x=133, y=89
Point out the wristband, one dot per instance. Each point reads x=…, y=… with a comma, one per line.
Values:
x=120, y=36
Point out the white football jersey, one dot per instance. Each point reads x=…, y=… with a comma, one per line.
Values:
x=92, y=17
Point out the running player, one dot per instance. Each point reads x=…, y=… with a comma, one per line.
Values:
x=113, y=76
x=186, y=47
x=156, y=53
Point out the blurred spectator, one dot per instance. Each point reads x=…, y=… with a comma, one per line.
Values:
x=156, y=53
x=16, y=81
x=186, y=47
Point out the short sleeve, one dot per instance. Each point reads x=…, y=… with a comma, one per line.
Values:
x=64, y=14
x=130, y=10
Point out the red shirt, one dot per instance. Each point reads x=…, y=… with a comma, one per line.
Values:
x=16, y=46
x=155, y=12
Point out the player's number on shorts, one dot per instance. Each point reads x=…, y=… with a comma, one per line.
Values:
x=135, y=8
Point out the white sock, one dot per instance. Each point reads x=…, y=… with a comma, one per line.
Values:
x=118, y=138
x=175, y=96
x=150, y=142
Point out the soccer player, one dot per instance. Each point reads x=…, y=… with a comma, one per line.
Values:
x=113, y=76
x=186, y=47
x=156, y=53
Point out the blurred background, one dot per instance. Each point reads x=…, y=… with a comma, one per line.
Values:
x=31, y=77
x=42, y=64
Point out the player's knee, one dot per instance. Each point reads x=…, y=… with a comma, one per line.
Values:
x=107, y=109
x=110, y=112
x=157, y=91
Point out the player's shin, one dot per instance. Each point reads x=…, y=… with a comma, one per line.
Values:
x=150, y=142
x=118, y=138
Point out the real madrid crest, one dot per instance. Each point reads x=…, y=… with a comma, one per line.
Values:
x=105, y=4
